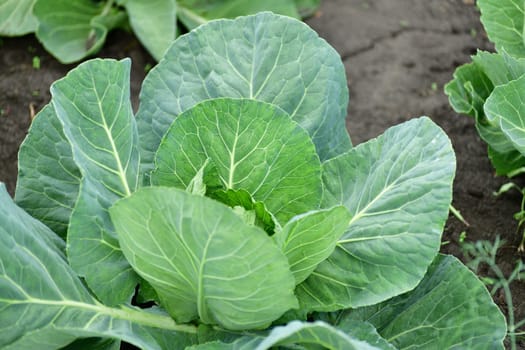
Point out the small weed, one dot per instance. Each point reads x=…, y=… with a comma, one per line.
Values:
x=36, y=62
x=462, y=236
x=404, y=23
x=434, y=86
x=458, y=215
x=485, y=252
x=519, y=216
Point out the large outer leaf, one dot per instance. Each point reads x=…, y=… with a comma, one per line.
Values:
x=449, y=309
x=43, y=304
x=503, y=21
x=92, y=102
x=48, y=178
x=505, y=108
x=73, y=29
x=16, y=17
x=308, y=239
x=398, y=188
x=254, y=146
x=265, y=57
x=154, y=22
x=202, y=260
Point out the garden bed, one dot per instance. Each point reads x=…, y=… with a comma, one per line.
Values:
x=398, y=56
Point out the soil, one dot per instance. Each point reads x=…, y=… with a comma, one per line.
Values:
x=398, y=55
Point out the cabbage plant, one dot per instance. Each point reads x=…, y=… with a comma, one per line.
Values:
x=491, y=89
x=72, y=30
x=232, y=211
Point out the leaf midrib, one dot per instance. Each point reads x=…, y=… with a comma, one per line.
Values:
x=120, y=169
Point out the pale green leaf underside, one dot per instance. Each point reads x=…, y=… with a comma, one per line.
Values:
x=313, y=335
x=449, y=309
x=505, y=108
x=363, y=331
x=309, y=239
x=92, y=102
x=253, y=145
x=398, y=188
x=48, y=178
x=16, y=17
x=154, y=22
x=503, y=21
x=43, y=304
x=203, y=260
x=318, y=333
x=266, y=57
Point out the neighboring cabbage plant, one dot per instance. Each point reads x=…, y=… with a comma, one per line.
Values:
x=492, y=89
x=232, y=211
x=72, y=30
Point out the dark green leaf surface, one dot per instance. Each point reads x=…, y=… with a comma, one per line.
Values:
x=307, y=8
x=309, y=239
x=398, y=189
x=71, y=30
x=93, y=344
x=506, y=163
x=154, y=22
x=48, y=178
x=43, y=304
x=361, y=330
x=193, y=13
x=203, y=260
x=254, y=146
x=449, y=309
x=16, y=17
x=99, y=124
x=241, y=198
x=266, y=57
x=503, y=21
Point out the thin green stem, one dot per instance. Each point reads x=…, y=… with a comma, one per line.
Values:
x=458, y=215
x=510, y=305
x=107, y=8
x=198, y=20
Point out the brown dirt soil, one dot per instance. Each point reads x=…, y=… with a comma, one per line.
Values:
x=398, y=55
